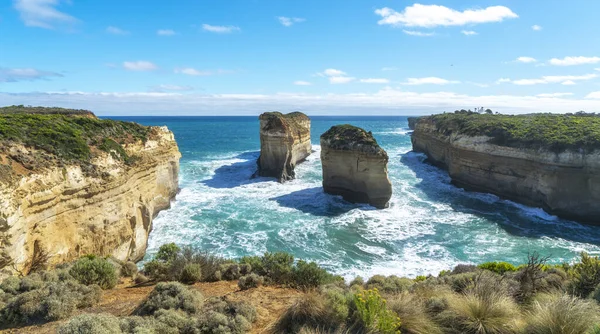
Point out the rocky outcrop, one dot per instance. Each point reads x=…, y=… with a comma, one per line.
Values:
x=565, y=183
x=412, y=122
x=284, y=142
x=63, y=211
x=355, y=166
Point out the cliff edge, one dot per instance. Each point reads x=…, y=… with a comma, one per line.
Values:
x=540, y=160
x=284, y=142
x=355, y=166
x=72, y=184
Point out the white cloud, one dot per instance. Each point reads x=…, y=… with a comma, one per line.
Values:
x=375, y=81
x=536, y=27
x=165, y=32
x=593, y=95
x=428, y=81
x=220, y=29
x=571, y=61
x=526, y=60
x=563, y=79
x=192, y=71
x=163, y=88
x=554, y=95
x=42, y=13
x=468, y=32
x=331, y=72
x=418, y=33
x=502, y=80
x=25, y=74
x=388, y=101
x=395, y=69
x=289, y=21
x=116, y=31
x=140, y=65
x=302, y=83
x=341, y=80
x=482, y=85
x=430, y=16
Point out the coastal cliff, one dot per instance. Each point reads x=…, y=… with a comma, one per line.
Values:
x=284, y=142
x=355, y=166
x=412, y=122
x=547, y=161
x=79, y=185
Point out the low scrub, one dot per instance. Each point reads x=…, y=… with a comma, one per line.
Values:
x=498, y=267
x=250, y=281
x=561, y=313
x=171, y=296
x=94, y=270
x=371, y=313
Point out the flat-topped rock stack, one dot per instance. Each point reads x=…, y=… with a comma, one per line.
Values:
x=355, y=166
x=284, y=142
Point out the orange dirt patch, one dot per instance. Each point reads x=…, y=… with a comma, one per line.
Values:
x=270, y=303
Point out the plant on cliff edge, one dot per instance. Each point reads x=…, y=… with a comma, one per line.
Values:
x=94, y=270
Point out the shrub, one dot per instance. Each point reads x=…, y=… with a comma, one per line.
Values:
x=471, y=313
x=278, y=267
x=167, y=252
x=389, y=284
x=140, y=279
x=460, y=282
x=176, y=321
x=157, y=270
x=54, y=301
x=171, y=296
x=498, y=267
x=420, y=278
x=310, y=275
x=11, y=285
x=255, y=262
x=411, y=310
x=129, y=269
x=250, y=281
x=92, y=324
x=371, y=313
x=586, y=275
x=230, y=271
x=94, y=271
x=357, y=281
x=596, y=294
x=191, y=273
x=561, y=314
x=464, y=268
x=221, y=316
x=310, y=310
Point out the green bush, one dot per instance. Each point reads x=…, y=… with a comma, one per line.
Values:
x=98, y=271
x=191, y=273
x=357, y=281
x=586, y=275
x=561, y=314
x=129, y=269
x=92, y=324
x=310, y=310
x=230, y=271
x=171, y=296
x=498, y=267
x=176, y=321
x=167, y=252
x=278, y=267
x=371, y=313
x=250, y=281
x=255, y=262
x=307, y=275
x=389, y=284
x=415, y=319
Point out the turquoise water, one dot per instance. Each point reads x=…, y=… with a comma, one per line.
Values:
x=429, y=226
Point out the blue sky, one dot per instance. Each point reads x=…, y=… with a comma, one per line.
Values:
x=243, y=57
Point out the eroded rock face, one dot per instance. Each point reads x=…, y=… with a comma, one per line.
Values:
x=67, y=213
x=412, y=122
x=284, y=142
x=355, y=166
x=566, y=184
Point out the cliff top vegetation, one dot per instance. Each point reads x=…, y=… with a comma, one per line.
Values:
x=277, y=120
x=44, y=110
x=277, y=294
x=554, y=132
x=61, y=136
x=349, y=137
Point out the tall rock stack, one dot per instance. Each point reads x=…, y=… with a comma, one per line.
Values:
x=355, y=166
x=284, y=142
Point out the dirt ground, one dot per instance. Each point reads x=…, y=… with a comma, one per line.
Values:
x=270, y=303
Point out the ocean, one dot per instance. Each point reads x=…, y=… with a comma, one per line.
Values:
x=430, y=225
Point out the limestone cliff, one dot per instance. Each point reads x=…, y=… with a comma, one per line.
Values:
x=355, y=166
x=284, y=142
x=412, y=122
x=563, y=181
x=53, y=205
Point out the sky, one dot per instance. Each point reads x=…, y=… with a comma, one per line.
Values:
x=351, y=57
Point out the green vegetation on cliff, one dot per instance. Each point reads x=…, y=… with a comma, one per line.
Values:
x=64, y=135
x=555, y=132
x=348, y=137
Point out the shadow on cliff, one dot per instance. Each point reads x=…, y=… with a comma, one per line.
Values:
x=238, y=173
x=516, y=219
x=316, y=202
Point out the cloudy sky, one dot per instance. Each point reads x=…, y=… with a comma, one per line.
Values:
x=334, y=57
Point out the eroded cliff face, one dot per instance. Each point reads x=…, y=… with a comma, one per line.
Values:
x=284, y=142
x=355, y=166
x=566, y=184
x=66, y=211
